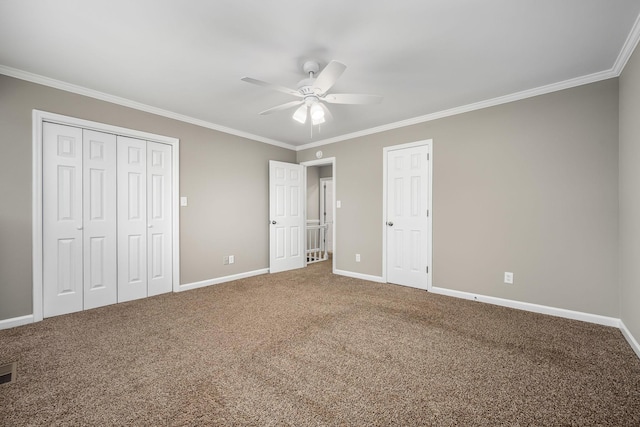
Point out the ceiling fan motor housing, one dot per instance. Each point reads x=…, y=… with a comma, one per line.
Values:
x=305, y=86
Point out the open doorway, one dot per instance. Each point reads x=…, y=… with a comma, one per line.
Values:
x=320, y=210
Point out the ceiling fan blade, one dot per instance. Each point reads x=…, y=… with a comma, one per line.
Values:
x=272, y=86
x=281, y=107
x=328, y=76
x=352, y=98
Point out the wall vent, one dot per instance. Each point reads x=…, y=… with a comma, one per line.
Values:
x=8, y=373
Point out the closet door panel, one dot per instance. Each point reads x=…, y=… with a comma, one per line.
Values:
x=99, y=212
x=132, y=218
x=159, y=236
x=62, y=219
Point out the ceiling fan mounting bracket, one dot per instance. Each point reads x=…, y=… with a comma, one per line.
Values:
x=311, y=67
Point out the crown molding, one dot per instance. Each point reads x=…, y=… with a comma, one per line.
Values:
x=624, y=55
x=529, y=93
x=68, y=87
x=628, y=48
x=626, y=51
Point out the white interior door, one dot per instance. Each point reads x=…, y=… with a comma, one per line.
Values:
x=287, y=221
x=159, y=218
x=99, y=213
x=61, y=219
x=132, y=218
x=407, y=186
x=326, y=210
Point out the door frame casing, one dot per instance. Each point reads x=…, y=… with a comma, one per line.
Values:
x=324, y=162
x=385, y=150
x=322, y=203
x=38, y=118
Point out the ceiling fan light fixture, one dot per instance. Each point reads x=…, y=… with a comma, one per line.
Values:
x=317, y=114
x=300, y=115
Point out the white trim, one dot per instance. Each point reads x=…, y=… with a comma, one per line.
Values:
x=322, y=191
x=217, y=281
x=535, y=308
x=615, y=71
x=175, y=196
x=43, y=116
x=630, y=339
x=323, y=162
x=517, y=96
x=68, y=87
x=627, y=49
x=368, y=277
x=36, y=215
x=385, y=151
x=16, y=321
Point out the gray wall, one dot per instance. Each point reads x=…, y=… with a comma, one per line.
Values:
x=529, y=187
x=630, y=195
x=225, y=178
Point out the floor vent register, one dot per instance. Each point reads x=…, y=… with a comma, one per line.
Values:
x=8, y=373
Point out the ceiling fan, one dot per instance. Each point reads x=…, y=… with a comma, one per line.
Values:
x=312, y=92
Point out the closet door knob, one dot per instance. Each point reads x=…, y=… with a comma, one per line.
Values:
x=274, y=222
x=390, y=223
x=79, y=227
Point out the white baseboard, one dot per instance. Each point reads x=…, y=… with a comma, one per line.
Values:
x=203, y=283
x=536, y=308
x=559, y=312
x=630, y=339
x=16, y=321
x=368, y=277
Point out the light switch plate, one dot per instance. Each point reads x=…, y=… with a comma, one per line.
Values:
x=183, y=201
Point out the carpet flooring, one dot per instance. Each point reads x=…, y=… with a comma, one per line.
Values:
x=307, y=348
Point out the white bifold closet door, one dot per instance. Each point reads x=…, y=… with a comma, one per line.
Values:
x=144, y=218
x=107, y=225
x=159, y=220
x=79, y=219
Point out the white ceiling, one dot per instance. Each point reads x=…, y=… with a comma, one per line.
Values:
x=186, y=58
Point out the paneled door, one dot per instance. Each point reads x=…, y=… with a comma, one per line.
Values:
x=407, y=186
x=104, y=214
x=159, y=271
x=132, y=218
x=286, y=217
x=99, y=212
x=78, y=219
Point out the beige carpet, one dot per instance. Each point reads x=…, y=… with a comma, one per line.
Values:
x=309, y=348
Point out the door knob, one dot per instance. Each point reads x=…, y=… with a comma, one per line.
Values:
x=79, y=227
x=150, y=226
x=274, y=222
x=390, y=223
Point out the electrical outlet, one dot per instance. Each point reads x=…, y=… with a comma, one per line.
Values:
x=357, y=257
x=508, y=277
x=232, y=259
x=225, y=260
